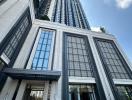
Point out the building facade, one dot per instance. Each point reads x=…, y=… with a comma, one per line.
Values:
x=46, y=60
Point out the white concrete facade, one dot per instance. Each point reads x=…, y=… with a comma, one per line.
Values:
x=8, y=18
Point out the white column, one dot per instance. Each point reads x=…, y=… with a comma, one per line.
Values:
x=78, y=93
x=21, y=90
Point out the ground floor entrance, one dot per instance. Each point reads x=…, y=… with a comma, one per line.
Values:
x=82, y=92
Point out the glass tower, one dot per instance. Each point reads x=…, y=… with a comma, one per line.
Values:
x=67, y=12
x=70, y=12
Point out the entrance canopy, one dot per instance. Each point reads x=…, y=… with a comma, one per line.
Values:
x=29, y=74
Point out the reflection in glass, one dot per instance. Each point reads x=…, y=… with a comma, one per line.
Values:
x=82, y=92
x=34, y=93
x=125, y=92
x=41, y=57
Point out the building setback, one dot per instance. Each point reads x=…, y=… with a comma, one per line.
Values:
x=49, y=52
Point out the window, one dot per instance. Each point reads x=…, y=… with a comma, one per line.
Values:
x=82, y=92
x=42, y=54
x=37, y=91
x=12, y=43
x=79, y=56
x=125, y=92
x=112, y=58
x=34, y=92
x=16, y=37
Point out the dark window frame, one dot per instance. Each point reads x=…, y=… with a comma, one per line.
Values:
x=7, y=39
x=54, y=41
x=65, y=82
x=108, y=74
x=81, y=55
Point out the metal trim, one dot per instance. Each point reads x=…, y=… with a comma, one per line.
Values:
x=29, y=74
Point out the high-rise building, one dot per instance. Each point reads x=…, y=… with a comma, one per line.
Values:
x=41, y=59
x=70, y=12
x=67, y=12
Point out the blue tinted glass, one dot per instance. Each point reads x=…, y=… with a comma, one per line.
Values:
x=49, y=42
x=42, y=54
x=45, y=41
x=41, y=57
x=50, y=36
x=39, y=47
x=37, y=54
x=41, y=40
x=48, y=48
x=46, y=35
x=46, y=55
x=42, y=35
x=40, y=62
x=43, y=47
x=34, y=62
x=45, y=63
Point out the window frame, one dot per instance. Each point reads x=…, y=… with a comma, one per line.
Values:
x=80, y=56
x=9, y=36
x=34, y=48
x=109, y=77
x=121, y=58
x=65, y=80
x=6, y=40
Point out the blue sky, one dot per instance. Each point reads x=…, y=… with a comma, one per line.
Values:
x=115, y=16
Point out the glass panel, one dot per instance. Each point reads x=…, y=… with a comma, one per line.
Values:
x=78, y=57
x=34, y=93
x=41, y=57
x=82, y=92
x=125, y=92
x=112, y=59
x=16, y=37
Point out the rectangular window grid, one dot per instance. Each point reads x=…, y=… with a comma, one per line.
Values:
x=78, y=57
x=112, y=60
x=16, y=37
x=125, y=92
x=41, y=57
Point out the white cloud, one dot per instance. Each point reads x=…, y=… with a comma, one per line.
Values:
x=123, y=3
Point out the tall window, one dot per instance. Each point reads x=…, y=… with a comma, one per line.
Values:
x=79, y=62
x=12, y=43
x=16, y=37
x=112, y=59
x=42, y=54
x=79, y=57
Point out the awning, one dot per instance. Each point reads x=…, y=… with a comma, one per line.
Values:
x=29, y=74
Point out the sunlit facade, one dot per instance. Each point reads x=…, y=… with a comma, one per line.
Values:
x=60, y=59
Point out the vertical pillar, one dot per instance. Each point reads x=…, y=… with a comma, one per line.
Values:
x=78, y=93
